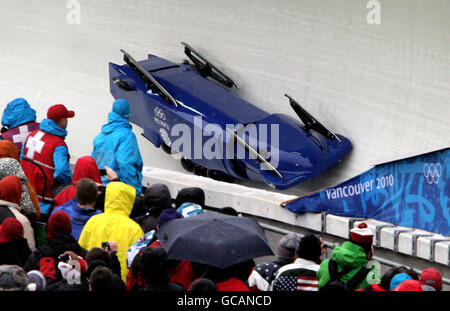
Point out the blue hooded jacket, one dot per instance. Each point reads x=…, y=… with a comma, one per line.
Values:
x=18, y=112
x=62, y=174
x=78, y=216
x=116, y=147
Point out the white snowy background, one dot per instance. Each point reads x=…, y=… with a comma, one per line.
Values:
x=386, y=87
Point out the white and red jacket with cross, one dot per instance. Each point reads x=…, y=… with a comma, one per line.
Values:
x=19, y=134
x=38, y=163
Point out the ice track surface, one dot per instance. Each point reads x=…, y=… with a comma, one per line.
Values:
x=386, y=87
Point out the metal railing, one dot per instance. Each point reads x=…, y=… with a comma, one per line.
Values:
x=331, y=245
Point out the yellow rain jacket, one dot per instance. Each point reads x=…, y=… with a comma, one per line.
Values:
x=114, y=224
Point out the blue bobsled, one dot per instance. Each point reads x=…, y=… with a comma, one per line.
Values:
x=188, y=109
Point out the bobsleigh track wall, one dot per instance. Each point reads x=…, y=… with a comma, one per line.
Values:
x=384, y=86
x=417, y=248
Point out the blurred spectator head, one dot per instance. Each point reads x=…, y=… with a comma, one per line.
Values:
x=203, y=285
x=398, y=279
x=156, y=199
x=310, y=248
x=11, y=189
x=409, y=286
x=192, y=195
x=189, y=209
x=86, y=167
x=431, y=277
x=87, y=191
x=93, y=265
x=58, y=223
x=11, y=230
x=122, y=108
x=8, y=150
x=167, y=215
x=18, y=109
x=101, y=279
x=390, y=273
x=37, y=281
x=13, y=278
x=362, y=236
x=287, y=246
x=155, y=265
x=227, y=210
x=98, y=253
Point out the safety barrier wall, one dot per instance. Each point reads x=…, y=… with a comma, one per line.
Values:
x=266, y=204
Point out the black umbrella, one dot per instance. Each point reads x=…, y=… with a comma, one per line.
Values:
x=214, y=239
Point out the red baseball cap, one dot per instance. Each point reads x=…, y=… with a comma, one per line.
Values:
x=58, y=112
x=431, y=277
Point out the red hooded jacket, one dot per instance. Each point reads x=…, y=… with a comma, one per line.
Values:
x=86, y=167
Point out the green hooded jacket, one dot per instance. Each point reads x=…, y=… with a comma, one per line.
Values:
x=347, y=255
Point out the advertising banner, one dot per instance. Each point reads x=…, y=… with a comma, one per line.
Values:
x=411, y=192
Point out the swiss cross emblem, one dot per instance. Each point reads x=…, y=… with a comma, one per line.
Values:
x=22, y=136
x=34, y=144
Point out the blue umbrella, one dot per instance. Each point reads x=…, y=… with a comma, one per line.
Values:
x=214, y=239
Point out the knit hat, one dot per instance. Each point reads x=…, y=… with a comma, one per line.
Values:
x=11, y=189
x=398, y=279
x=228, y=210
x=361, y=234
x=36, y=281
x=287, y=246
x=190, y=194
x=431, y=277
x=58, y=223
x=13, y=278
x=11, y=230
x=189, y=209
x=58, y=112
x=157, y=198
x=121, y=107
x=310, y=248
x=409, y=286
x=167, y=215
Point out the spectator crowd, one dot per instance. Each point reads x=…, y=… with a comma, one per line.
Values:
x=96, y=228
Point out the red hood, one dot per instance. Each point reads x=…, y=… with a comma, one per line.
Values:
x=11, y=189
x=86, y=167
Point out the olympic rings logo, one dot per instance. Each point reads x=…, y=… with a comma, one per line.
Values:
x=432, y=172
x=159, y=113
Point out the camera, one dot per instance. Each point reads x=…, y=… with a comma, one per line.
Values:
x=102, y=172
x=64, y=257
